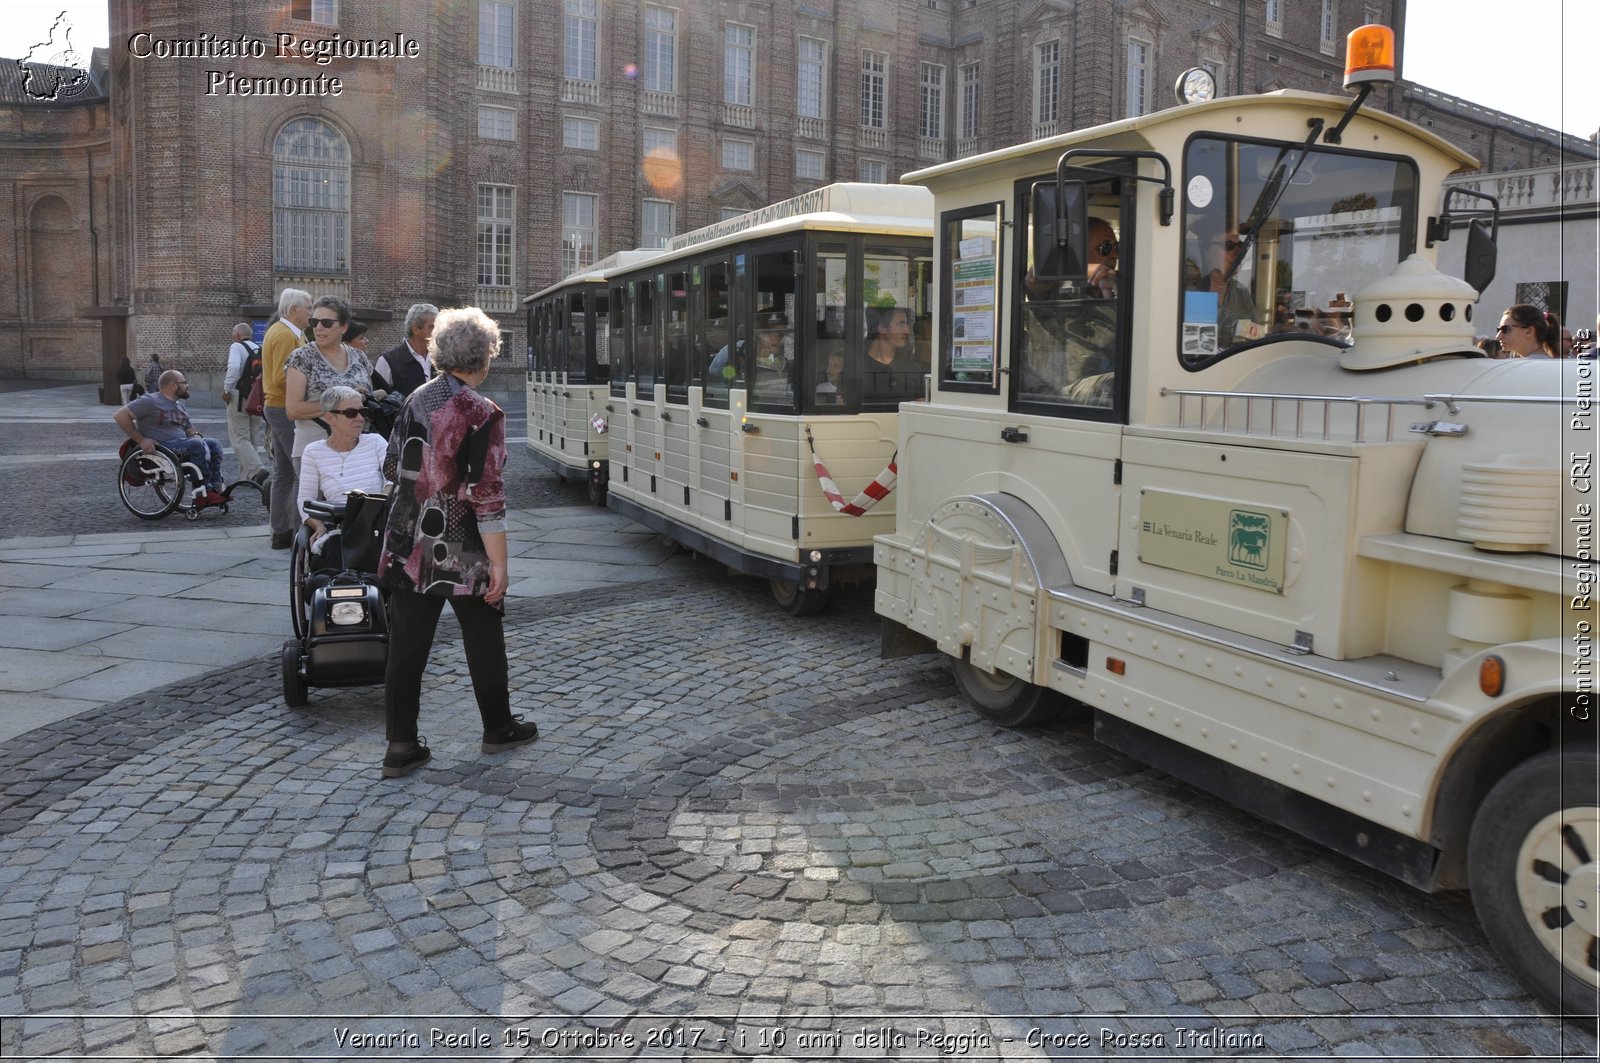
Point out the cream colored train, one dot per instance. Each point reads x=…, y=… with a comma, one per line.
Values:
x=747, y=349
x=1255, y=499
x=569, y=372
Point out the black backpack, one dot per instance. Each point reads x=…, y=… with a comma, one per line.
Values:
x=252, y=367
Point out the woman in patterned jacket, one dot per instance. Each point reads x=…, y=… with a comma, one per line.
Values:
x=446, y=538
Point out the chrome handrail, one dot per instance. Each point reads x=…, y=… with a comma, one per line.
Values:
x=1450, y=401
x=1360, y=402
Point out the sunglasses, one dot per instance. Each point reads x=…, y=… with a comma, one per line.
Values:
x=324, y=322
x=1508, y=328
x=1232, y=245
x=351, y=414
x=1105, y=247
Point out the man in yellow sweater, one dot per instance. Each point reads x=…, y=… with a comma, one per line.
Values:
x=286, y=334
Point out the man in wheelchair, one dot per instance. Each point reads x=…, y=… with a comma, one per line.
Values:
x=160, y=417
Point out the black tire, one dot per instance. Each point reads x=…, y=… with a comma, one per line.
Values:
x=151, y=485
x=597, y=491
x=1533, y=863
x=1002, y=698
x=797, y=600
x=294, y=687
x=299, y=568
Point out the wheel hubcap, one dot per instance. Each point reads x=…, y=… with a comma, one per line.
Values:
x=1558, y=885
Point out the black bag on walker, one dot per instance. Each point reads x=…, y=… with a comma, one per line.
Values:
x=362, y=530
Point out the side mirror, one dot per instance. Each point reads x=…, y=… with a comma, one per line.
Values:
x=1478, y=269
x=1059, y=215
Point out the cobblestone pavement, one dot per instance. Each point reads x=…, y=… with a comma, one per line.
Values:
x=739, y=835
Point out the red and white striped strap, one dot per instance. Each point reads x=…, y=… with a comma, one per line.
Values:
x=875, y=492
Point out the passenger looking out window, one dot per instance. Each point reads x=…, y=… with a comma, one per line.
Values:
x=891, y=371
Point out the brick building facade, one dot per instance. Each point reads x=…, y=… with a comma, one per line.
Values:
x=477, y=150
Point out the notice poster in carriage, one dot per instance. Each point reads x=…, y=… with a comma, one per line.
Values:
x=972, y=314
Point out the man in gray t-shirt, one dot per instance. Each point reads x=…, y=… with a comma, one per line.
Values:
x=161, y=417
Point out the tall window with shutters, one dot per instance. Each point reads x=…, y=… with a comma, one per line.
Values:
x=874, y=90
x=310, y=198
x=496, y=229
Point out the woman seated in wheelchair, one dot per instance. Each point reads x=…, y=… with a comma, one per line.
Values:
x=348, y=460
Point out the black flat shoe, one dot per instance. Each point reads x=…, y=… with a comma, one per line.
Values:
x=503, y=738
x=398, y=764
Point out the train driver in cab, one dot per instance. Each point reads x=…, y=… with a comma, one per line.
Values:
x=1216, y=269
x=1068, y=334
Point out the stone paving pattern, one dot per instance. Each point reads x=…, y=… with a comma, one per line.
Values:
x=740, y=835
x=731, y=815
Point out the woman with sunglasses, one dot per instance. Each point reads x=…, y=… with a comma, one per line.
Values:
x=324, y=363
x=348, y=460
x=1527, y=332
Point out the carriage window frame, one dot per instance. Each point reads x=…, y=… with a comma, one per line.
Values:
x=824, y=247
x=946, y=253
x=575, y=347
x=880, y=247
x=598, y=363
x=758, y=321
x=622, y=333
x=646, y=332
x=677, y=370
x=712, y=396
x=1124, y=191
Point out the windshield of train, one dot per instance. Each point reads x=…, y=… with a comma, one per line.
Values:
x=1277, y=238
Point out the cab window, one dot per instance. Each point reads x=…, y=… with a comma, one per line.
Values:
x=1069, y=344
x=1277, y=237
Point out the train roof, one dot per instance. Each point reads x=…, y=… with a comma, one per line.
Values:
x=1195, y=117
x=596, y=272
x=849, y=206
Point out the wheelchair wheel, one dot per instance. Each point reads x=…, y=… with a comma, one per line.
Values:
x=294, y=687
x=151, y=485
x=299, y=568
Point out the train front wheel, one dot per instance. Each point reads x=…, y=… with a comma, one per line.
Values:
x=1002, y=698
x=797, y=600
x=1533, y=863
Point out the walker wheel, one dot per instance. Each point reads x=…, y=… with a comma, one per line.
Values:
x=223, y=508
x=193, y=512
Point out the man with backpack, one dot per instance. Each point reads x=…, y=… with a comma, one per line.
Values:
x=244, y=366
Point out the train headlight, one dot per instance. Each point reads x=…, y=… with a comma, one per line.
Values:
x=816, y=556
x=1195, y=85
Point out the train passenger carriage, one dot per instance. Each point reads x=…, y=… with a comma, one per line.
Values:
x=751, y=347
x=1210, y=451
x=569, y=372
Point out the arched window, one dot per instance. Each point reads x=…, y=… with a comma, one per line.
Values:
x=57, y=261
x=310, y=198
